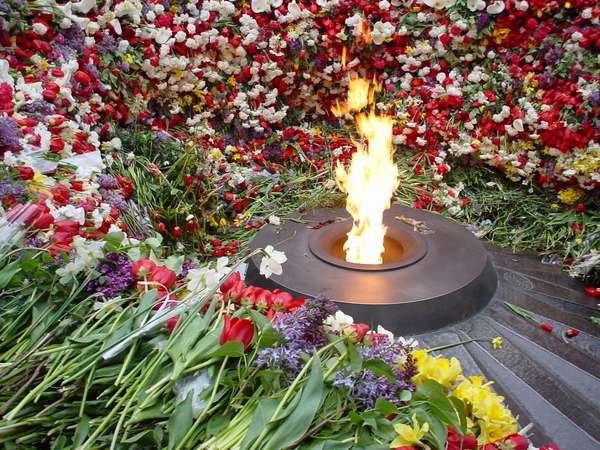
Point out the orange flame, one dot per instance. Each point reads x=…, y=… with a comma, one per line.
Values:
x=371, y=178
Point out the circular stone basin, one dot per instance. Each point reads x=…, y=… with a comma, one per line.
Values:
x=426, y=281
x=402, y=245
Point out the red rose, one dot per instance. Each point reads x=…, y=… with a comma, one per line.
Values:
x=237, y=329
x=142, y=268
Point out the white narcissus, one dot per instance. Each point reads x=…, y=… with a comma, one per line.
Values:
x=475, y=5
x=439, y=4
x=495, y=8
x=271, y=262
x=338, y=321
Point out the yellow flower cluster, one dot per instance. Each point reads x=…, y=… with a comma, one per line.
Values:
x=444, y=371
x=495, y=420
x=570, y=195
x=486, y=411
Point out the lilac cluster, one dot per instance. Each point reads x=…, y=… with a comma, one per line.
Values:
x=366, y=387
x=11, y=188
x=115, y=276
x=185, y=268
x=302, y=329
x=107, y=181
x=113, y=198
x=302, y=332
x=39, y=108
x=9, y=134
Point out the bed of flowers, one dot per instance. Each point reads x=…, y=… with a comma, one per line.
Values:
x=144, y=143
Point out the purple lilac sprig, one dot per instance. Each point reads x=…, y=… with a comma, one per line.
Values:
x=302, y=332
x=115, y=276
x=9, y=134
x=366, y=387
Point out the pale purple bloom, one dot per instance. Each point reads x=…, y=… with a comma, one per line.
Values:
x=9, y=134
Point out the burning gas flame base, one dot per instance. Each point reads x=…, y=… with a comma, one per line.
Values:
x=371, y=177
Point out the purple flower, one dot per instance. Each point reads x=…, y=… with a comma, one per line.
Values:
x=482, y=21
x=114, y=199
x=107, y=181
x=115, y=276
x=40, y=108
x=75, y=38
x=302, y=332
x=185, y=268
x=108, y=44
x=281, y=358
x=9, y=134
x=366, y=387
x=12, y=188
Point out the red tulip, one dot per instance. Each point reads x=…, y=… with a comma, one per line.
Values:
x=592, y=291
x=457, y=442
x=231, y=281
x=163, y=275
x=142, y=268
x=237, y=329
x=550, y=446
x=547, y=326
x=571, y=332
x=172, y=323
x=516, y=442
x=361, y=330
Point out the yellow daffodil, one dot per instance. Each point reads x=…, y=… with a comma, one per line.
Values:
x=570, y=195
x=497, y=342
x=409, y=435
x=444, y=371
x=494, y=420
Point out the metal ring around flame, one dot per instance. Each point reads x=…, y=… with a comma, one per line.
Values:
x=403, y=246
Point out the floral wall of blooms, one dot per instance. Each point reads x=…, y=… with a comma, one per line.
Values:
x=510, y=83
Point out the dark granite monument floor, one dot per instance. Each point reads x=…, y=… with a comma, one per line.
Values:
x=546, y=381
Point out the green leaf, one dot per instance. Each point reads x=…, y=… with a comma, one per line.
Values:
x=231, y=348
x=174, y=263
x=437, y=433
x=380, y=368
x=459, y=407
x=263, y=413
x=81, y=431
x=355, y=359
x=113, y=241
x=385, y=407
x=188, y=337
x=134, y=253
x=217, y=423
x=181, y=421
x=8, y=272
x=433, y=393
x=298, y=422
